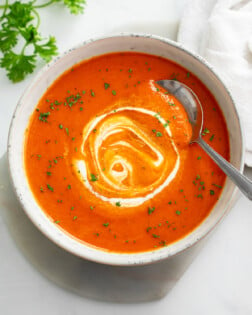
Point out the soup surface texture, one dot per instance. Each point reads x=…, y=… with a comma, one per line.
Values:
x=108, y=158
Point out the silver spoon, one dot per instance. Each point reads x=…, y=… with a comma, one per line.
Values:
x=194, y=111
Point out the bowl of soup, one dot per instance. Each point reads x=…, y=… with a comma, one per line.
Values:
x=100, y=156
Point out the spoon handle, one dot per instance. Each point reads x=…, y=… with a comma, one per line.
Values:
x=244, y=184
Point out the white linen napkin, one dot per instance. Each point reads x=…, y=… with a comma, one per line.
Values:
x=221, y=31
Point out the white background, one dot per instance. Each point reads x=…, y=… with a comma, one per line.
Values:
x=219, y=281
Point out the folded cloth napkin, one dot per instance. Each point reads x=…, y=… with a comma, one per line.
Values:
x=221, y=31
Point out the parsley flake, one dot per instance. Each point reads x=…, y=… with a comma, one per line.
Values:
x=151, y=210
x=93, y=178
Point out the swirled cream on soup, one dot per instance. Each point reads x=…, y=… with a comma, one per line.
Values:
x=108, y=158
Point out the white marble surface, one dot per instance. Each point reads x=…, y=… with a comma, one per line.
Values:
x=37, y=278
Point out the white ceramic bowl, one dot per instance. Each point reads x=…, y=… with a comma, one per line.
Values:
x=140, y=43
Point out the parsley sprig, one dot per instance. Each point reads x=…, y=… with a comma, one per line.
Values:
x=21, y=44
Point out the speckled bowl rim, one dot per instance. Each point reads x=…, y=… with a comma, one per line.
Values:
x=71, y=244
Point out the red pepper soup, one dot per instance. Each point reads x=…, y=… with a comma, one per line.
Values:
x=108, y=155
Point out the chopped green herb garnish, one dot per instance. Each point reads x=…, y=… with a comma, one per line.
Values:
x=43, y=116
x=159, y=134
x=93, y=178
x=151, y=210
x=113, y=92
x=163, y=243
x=118, y=204
x=68, y=186
x=56, y=221
x=60, y=126
x=106, y=224
x=178, y=212
x=50, y=187
x=211, y=138
x=171, y=104
x=218, y=186
x=156, y=236
x=106, y=86
x=212, y=192
x=75, y=217
x=205, y=131
x=174, y=76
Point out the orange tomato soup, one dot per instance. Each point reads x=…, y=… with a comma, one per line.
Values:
x=108, y=154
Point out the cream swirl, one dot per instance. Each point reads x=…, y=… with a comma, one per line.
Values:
x=123, y=159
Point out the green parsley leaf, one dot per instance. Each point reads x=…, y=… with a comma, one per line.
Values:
x=19, y=27
x=47, y=50
x=8, y=39
x=75, y=6
x=17, y=65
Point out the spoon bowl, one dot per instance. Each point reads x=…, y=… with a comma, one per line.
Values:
x=194, y=110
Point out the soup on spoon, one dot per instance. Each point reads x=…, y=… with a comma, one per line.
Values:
x=194, y=110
